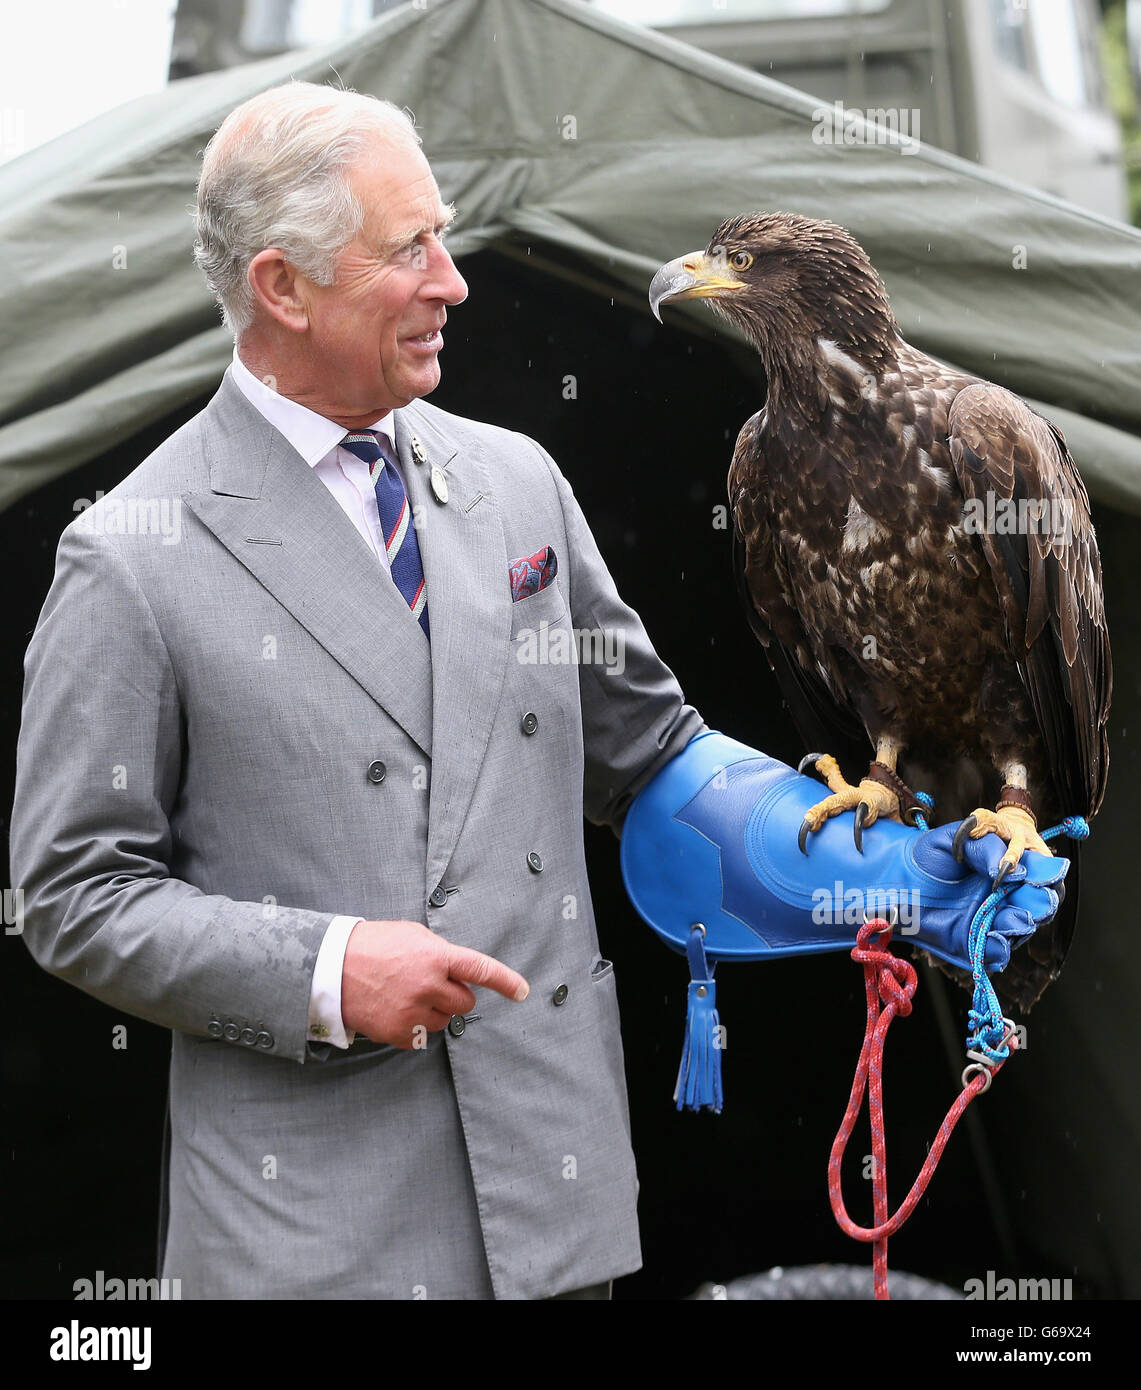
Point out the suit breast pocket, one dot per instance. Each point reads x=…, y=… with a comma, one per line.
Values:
x=546, y=607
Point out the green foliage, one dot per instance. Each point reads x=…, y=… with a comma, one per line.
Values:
x=1123, y=98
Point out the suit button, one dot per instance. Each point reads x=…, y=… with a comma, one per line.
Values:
x=439, y=896
x=231, y=1032
x=560, y=995
x=376, y=771
x=214, y=1028
x=456, y=1025
x=263, y=1039
x=530, y=722
x=248, y=1036
x=535, y=862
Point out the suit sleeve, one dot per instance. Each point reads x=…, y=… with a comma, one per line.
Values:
x=634, y=715
x=98, y=772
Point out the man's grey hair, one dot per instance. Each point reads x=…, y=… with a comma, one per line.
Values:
x=276, y=173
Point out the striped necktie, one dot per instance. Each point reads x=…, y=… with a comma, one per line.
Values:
x=395, y=521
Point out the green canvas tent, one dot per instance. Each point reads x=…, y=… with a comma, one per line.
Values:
x=561, y=128
x=582, y=153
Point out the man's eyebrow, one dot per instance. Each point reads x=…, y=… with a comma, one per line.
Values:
x=414, y=233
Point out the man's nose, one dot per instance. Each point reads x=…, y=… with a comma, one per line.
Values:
x=444, y=281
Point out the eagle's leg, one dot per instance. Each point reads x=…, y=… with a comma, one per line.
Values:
x=870, y=800
x=1012, y=820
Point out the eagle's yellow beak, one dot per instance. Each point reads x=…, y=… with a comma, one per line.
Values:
x=695, y=276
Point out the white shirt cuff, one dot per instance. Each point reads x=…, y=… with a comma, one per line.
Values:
x=325, y=1022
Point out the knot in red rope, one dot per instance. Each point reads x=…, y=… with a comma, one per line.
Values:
x=895, y=979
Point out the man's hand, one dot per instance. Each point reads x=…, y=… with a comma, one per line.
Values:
x=399, y=976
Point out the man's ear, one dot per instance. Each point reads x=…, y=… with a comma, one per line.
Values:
x=279, y=288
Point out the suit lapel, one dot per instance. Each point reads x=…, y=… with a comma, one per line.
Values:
x=469, y=609
x=280, y=521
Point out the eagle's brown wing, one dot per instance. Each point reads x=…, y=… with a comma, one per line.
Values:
x=817, y=701
x=1048, y=578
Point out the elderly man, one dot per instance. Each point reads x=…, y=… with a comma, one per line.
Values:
x=315, y=816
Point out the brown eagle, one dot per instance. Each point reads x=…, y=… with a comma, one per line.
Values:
x=916, y=554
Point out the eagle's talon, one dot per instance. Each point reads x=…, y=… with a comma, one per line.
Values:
x=802, y=837
x=1015, y=827
x=870, y=800
x=961, y=835
x=1004, y=868
x=809, y=760
x=863, y=810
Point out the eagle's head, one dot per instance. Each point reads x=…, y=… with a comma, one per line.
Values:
x=787, y=281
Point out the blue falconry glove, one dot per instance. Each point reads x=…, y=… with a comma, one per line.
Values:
x=713, y=839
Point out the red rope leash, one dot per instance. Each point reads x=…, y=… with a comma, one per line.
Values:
x=890, y=981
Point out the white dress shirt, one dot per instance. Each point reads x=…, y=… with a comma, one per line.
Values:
x=317, y=440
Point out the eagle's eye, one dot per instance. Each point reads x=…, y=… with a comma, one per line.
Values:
x=740, y=260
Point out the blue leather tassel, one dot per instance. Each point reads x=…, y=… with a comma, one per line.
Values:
x=699, y=1077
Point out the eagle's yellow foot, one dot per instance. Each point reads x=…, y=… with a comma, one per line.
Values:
x=870, y=800
x=1011, y=824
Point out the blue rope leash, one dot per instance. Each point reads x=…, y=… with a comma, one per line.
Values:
x=1073, y=827
x=928, y=801
x=989, y=1029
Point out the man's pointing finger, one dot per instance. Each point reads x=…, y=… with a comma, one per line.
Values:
x=474, y=968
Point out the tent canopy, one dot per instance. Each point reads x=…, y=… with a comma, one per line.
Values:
x=597, y=145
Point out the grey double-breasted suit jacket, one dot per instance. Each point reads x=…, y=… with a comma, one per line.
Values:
x=234, y=729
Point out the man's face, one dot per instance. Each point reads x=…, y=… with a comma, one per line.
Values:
x=375, y=332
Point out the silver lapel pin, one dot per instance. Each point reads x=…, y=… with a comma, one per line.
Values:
x=437, y=479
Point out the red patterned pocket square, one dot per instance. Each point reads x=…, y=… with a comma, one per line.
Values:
x=532, y=573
